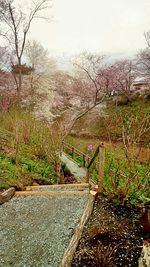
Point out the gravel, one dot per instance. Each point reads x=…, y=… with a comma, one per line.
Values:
x=36, y=230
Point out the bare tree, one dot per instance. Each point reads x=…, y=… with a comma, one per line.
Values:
x=89, y=66
x=143, y=58
x=132, y=132
x=38, y=59
x=15, y=23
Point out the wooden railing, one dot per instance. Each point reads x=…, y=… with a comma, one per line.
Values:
x=86, y=161
x=91, y=163
x=78, y=156
x=100, y=151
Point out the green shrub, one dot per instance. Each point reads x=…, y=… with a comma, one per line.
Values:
x=29, y=150
x=124, y=182
x=13, y=175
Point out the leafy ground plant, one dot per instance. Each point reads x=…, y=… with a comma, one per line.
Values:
x=126, y=183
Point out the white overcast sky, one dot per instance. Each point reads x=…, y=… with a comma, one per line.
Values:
x=105, y=26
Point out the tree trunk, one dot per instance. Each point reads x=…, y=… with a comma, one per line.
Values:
x=19, y=84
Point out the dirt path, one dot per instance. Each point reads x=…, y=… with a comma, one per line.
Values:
x=36, y=229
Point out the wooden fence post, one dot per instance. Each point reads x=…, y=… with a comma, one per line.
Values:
x=72, y=152
x=101, y=167
x=83, y=160
x=87, y=176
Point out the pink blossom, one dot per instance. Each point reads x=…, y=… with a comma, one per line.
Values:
x=90, y=147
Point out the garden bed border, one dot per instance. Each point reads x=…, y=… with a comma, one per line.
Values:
x=69, y=253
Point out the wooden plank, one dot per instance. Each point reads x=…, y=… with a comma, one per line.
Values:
x=101, y=167
x=51, y=193
x=82, y=185
x=93, y=158
x=87, y=176
x=78, y=152
x=68, y=256
x=7, y=195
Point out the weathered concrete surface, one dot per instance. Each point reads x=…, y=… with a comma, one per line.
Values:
x=77, y=171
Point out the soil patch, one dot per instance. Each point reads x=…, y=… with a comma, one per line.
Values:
x=112, y=237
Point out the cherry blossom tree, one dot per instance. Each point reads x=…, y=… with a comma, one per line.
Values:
x=87, y=84
x=123, y=73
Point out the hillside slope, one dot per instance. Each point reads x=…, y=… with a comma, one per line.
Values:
x=108, y=124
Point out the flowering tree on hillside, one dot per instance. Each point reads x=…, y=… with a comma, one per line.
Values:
x=123, y=73
x=88, y=84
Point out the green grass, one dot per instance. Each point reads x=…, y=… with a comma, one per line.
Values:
x=22, y=174
x=28, y=150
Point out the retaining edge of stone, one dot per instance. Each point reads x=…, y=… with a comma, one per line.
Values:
x=69, y=253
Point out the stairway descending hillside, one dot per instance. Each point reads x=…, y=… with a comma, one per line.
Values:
x=56, y=190
x=78, y=171
x=38, y=224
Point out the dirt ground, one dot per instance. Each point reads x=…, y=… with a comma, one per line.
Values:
x=112, y=237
